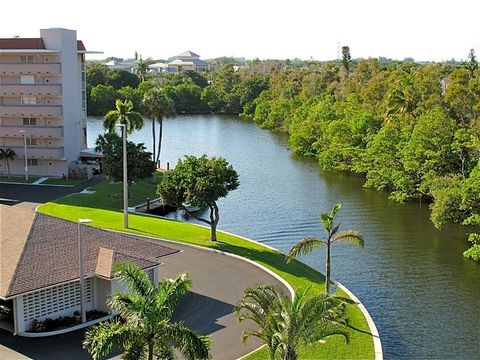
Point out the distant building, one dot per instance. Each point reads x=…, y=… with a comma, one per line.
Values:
x=158, y=68
x=187, y=60
x=121, y=65
x=43, y=97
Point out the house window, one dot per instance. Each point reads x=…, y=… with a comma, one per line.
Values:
x=32, y=162
x=29, y=100
x=26, y=59
x=31, y=141
x=27, y=79
x=30, y=121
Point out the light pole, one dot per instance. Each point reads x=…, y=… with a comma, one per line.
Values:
x=125, y=179
x=80, y=266
x=23, y=132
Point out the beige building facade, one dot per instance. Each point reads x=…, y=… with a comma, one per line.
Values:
x=43, y=102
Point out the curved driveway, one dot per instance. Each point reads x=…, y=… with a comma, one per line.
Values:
x=218, y=284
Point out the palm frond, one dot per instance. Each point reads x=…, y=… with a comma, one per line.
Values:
x=350, y=236
x=303, y=247
x=187, y=341
x=135, y=278
x=170, y=291
x=110, y=120
x=100, y=340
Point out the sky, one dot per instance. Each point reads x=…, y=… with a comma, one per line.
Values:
x=265, y=29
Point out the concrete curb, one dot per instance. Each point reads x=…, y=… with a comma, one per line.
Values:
x=377, y=343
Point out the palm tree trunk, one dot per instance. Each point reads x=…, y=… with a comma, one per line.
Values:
x=8, y=169
x=150, y=350
x=327, y=270
x=290, y=354
x=160, y=133
x=154, y=137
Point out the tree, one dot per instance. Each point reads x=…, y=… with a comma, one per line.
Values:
x=121, y=78
x=308, y=244
x=123, y=114
x=158, y=105
x=139, y=163
x=199, y=182
x=285, y=324
x=142, y=69
x=146, y=329
x=101, y=99
x=346, y=58
x=7, y=155
x=97, y=74
x=472, y=64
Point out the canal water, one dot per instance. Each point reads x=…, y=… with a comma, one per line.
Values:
x=423, y=295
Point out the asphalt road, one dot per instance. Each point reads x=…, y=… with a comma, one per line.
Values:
x=218, y=284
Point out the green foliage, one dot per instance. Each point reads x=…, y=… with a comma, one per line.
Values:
x=285, y=324
x=122, y=78
x=97, y=74
x=139, y=163
x=146, y=329
x=101, y=99
x=123, y=115
x=199, y=182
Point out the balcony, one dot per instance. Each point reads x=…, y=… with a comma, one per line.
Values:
x=39, y=132
x=30, y=69
x=30, y=90
x=30, y=111
x=39, y=152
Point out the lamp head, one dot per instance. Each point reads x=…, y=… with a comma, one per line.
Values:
x=84, y=221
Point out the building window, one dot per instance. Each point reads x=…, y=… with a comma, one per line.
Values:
x=29, y=100
x=26, y=59
x=27, y=79
x=32, y=162
x=31, y=141
x=29, y=121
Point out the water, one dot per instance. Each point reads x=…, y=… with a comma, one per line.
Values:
x=423, y=295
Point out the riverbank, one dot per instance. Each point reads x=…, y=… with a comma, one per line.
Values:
x=297, y=274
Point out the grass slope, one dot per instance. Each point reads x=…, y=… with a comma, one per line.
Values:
x=102, y=207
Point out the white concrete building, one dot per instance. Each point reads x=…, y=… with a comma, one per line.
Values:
x=187, y=60
x=43, y=97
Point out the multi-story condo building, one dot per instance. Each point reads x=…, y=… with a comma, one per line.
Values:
x=43, y=102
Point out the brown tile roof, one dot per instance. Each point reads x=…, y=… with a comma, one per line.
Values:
x=22, y=43
x=30, y=43
x=15, y=226
x=50, y=254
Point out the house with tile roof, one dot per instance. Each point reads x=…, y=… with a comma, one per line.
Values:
x=39, y=265
x=187, y=60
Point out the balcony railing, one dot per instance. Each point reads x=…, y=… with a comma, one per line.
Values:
x=38, y=132
x=30, y=69
x=30, y=111
x=39, y=152
x=30, y=90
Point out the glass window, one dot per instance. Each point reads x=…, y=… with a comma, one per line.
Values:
x=29, y=121
x=26, y=59
x=27, y=79
x=29, y=100
x=31, y=141
x=32, y=162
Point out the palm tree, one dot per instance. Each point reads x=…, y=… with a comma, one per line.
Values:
x=158, y=105
x=7, y=155
x=285, y=324
x=308, y=244
x=142, y=69
x=123, y=114
x=145, y=329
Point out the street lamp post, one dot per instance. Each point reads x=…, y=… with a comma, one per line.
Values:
x=23, y=132
x=125, y=179
x=81, y=270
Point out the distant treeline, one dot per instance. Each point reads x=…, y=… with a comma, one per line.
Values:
x=412, y=130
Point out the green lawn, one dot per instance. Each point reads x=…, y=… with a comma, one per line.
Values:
x=58, y=181
x=18, y=179
x=103, y=208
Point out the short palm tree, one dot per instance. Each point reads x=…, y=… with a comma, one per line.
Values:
x=123, y=114
x=158, y=105
x=142, y=69
x=285, y=324
x=308, y=244
x=7, y=155
x=145, y=329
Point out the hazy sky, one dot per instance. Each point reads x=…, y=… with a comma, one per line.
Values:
x=422, y=29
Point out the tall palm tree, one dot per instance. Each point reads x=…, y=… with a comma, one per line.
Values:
x=123, y=114
x=142, y=69
x=158, y=105
x=145, y=329
x=308, y=244
x=285, y=324
x=7, y=155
